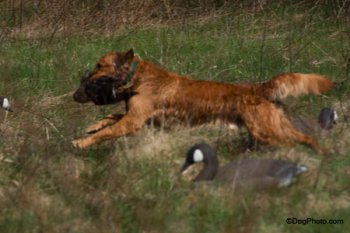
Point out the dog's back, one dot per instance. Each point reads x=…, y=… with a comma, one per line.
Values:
x=159, y=91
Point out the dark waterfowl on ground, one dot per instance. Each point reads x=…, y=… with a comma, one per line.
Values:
x=317, y=127
x=251, y=173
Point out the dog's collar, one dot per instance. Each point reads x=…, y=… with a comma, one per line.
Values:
x=132, y=72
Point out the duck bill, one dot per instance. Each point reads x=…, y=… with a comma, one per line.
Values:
x=184, y=167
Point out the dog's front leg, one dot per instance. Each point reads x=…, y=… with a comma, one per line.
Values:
x=109, y=120
x=127, y=125
x=140, y=110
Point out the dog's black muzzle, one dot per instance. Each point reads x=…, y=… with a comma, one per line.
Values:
x=104, y=90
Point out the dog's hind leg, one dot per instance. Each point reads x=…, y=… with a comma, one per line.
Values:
x=108, y=120
x=268, y=124
x=307, y=140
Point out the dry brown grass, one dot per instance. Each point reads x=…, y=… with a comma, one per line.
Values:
x=48, y=19
x=56, y=181
x=133, y=184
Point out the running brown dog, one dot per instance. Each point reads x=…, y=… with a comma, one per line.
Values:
x=159, y=92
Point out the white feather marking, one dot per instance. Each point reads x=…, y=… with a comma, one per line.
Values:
x=285, y=182
x=335, y=116
x=301, y=169
x=198, y=156
x=6, y=104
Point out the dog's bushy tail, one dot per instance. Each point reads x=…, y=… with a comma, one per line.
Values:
x=294, y=84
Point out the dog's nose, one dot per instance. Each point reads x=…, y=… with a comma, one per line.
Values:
x=75, y=96
x=80, y=96
x=87, y=74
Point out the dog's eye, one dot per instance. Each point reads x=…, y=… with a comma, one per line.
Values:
x=98, y=65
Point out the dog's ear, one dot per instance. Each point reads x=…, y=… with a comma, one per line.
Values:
x=129, y=55
x=122, y=58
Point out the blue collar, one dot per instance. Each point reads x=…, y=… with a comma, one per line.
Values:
x=132, y=71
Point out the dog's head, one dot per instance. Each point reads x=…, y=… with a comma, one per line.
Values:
x=114, y=64
x=103, y=84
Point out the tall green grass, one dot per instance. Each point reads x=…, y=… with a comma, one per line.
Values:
x=133, y=184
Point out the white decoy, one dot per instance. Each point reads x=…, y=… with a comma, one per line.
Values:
x=5, y=104
x=248, y=173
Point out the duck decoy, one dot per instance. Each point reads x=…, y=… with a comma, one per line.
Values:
x=327, y=118
x=250, y=173
x=5, y=104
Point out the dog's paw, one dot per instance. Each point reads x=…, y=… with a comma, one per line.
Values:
x=76, y=143
x=80, y=143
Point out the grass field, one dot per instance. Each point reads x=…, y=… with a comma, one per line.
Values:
x=133, y=184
